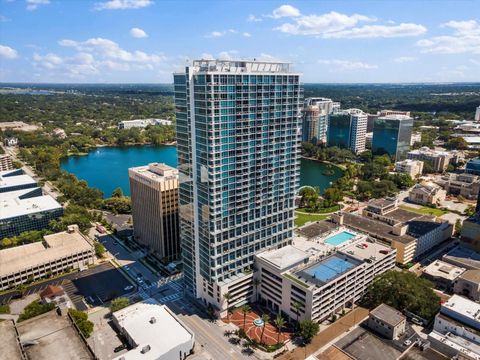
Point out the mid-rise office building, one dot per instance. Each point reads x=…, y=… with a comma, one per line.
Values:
x=54, y=255
x=477, y=114
x=154, y=192
x=438, y=160
x=315, y=119
x=6, y=162
x=238, y=139
x=413, y=168
x=466, y=185
x=347, y=129
x=322, y=285
x=12, y=180
x=392, y=135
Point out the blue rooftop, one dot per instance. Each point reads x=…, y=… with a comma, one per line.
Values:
x=328, y=269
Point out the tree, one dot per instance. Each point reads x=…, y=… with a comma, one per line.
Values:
x=34, y=309
x=458, y=226
x=279, y=323
x=403, y=290
x=119, y=303
x=227, y=296
x=457, y=143
x=81, y=320
x=99, y=249
x=266, y=319
x=308, y=329
x=297, y=307
x=118, y=193
x=245, y=310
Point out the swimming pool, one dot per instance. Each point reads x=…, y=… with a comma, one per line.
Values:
x=339, y=238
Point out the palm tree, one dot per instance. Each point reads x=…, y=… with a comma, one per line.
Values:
x=227, y=296
x=297, y=306
x=245, y=310
x=266, y=319
x=256, y=282
x=279, y=323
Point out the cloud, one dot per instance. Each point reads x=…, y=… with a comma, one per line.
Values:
x=138, y=33
x=7, y=52
x=379, y=31
x=77, y=66
x=111, y=50
x=217, y=34
x=465, y=38
x=347, y=64
x=253, y=18
x=404, y=59
x=247, y=34
x=122, y=4
x=34, y=4
x=475, y=62
x=285, y=11
x=4, y=18
x=337, y=25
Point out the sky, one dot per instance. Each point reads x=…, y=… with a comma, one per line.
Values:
x=144, y=41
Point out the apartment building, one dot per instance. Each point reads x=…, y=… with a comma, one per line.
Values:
x=347, y=129
x=322, y=286
x=426, y=194
x=413, y=168
x=238, y=144
x=438, y=160
x=54, y=255
x=154, y=193
x=315, y=119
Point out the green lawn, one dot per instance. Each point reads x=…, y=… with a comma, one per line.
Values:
x=301, y=219
x=424, y=210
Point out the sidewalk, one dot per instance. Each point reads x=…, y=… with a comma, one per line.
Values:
x=332, y=332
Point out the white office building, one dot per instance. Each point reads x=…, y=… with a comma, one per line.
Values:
x=413, y=168
x=477, y=114
x=142, y=123
x=154, y=332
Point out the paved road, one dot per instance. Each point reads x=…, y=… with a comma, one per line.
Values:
x=128, y=261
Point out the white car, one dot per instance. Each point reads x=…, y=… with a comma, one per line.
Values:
x=129, y=287
x=407, y=342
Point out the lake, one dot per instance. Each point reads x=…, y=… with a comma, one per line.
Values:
x=106, y=168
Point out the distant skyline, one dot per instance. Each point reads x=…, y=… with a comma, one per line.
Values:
x=144, y=41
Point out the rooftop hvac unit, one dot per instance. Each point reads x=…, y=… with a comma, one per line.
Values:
x=145, y=349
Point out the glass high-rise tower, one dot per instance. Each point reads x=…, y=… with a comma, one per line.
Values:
x=347, y=129
x=238, y=141
x=392, y=135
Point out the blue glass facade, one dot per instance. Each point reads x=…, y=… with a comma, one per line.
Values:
x=238, y=138
x=392, y=135
x=339, y=130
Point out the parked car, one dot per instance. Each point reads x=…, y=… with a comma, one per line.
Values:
x=407, y=342
x=129, y=287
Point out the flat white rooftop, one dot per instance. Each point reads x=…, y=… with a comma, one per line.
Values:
x=464, y=307
x=13, y=207
x=54, y=247
x=8, y=181
x=157, y=172
x=368, y=249
x=444, y=270
x=17, y=193
x=149, y=323
x=284, y=257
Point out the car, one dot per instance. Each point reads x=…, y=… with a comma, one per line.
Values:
x=416, y=321
x=127, y=268
x=129, y=287
x=407, y=342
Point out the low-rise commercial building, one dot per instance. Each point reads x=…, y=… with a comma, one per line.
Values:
x=154, y=192
x=456, y=330
x=12, y=180
x=442, y=274
x=427, y=194
x=142, y=123
x=466, y=185
x=468, y=285
x=473, y=167
x=54, y=255
x=413, y=168
x=153, y=332
x=463, y=256
x=438, y=160
x=387, y=321
x=321, y=285
x=6, y=162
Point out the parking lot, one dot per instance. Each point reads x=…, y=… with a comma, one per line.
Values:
x=97, y=286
